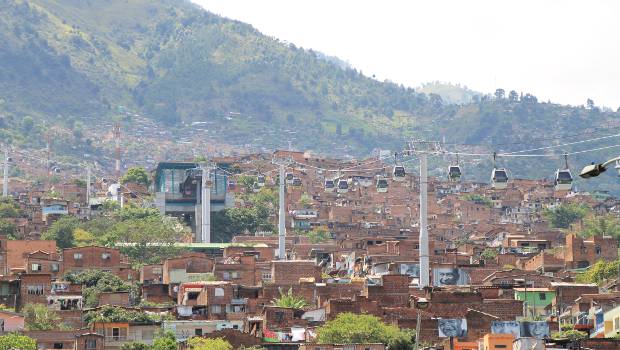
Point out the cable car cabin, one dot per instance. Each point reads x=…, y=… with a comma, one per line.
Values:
x=499, y=178
x=563, y=180
x=382, y=185
x=261, y=180
x=289, y=178
x=296, y=182
x=398, y=173
x=454, y=173
x=343, y=186
x=330, y=186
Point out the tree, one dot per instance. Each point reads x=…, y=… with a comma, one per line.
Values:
x=62, y=231
x=589, y=104
x=513, y=96
x=349, y=328
x=136, y=175
x=13, y=341
x=489, y=254
x=500, y=94
x=82, y=238
x=318, y=235
x=8, y=229
x=94, y=282
x=197, y=343
x=599, y=272
x=9, y=209
x=606, y=225
x=134, y=345
x=165, y=340
x=564, y=215
x=289, y=300
x=37, y=317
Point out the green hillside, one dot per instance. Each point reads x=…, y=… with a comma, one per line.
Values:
x=65, y=61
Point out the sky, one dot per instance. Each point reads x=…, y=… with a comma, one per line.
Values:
x=560, y=50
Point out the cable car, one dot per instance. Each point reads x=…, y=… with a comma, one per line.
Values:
x=343, y=186
x=563, y=180
x=261, y=180
x=454, y=173
x=296, y=182
x=398, y=173
x=330, y=186
x=499, y=178
x=382, y=185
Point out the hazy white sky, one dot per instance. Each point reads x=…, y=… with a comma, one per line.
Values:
x=562, y=50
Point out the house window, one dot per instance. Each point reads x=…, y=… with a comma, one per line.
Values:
x=234, y=274
x=617, y=323
x=91, y=344
x=54, y=267
x=157, y=270
x=77, y=256
x=266, y=276
x=216, y=309
x=36, y=289
x=279, y=316
x=500, y=346
x=542, y=296
x=106, y=256
x=598, y=250
x=226, y=276
x=116, y=333
x=36, y=267
x=198, y=332
x=219, y=292
x=58, y=345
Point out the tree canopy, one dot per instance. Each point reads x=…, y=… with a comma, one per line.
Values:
x=288, y=299
x=38, y=317
x=136, y=175
x=14, y=341
x=197, y=343
x=352, y=328
x=95, y=282
x=599, y=272
x=564, y=215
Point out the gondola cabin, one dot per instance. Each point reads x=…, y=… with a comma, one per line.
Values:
x=382, y=185
x=330, y=186
x=563, y=180
x=343, y=186
x=499, y=178
x=454, y=173
x=398, y=173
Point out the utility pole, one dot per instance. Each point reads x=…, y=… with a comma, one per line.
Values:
x=281, y=217
x=282, y=163
x=5, y=183
x=117, y=150
x=205, y=198
x=88, y=190
x=423, y=148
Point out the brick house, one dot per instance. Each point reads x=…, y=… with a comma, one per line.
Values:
x=240, y=269
x=44, y=262
x=580, y=253
x=13, y=253
x=34, y=288
x=73, y=339
x=96, y=258
x=290, y=271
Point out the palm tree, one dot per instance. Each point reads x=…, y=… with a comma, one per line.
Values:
x=289, y=300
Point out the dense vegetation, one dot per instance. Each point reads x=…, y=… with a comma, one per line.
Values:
x=132, y=228
x=348, y=328
x=176, y=63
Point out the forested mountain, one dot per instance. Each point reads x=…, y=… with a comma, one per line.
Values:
x=62, y=61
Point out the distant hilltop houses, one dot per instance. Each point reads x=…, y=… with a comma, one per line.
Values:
x=203, y=252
